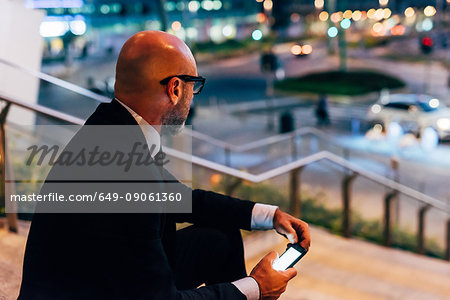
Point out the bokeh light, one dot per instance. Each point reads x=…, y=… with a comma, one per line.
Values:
x=227, y=30
x=379, y=14
x=268, y=4
x=409, y=12
x=398, y=30
x=356, y=15
x=319, y=4
x=434, y=103
x=78, y=27
x=323, y=16
x=193, y=6
x=347, y=14
x=296, y=49
x=345, y=24
x=257, y=35
x=336, y=17
x=377, y=27
x=307, y=49
x=429, y=11
x=261, y=17
x=332, y=32
x=371, y=13
x=295, y=17
x=176, y=26
x=427, y=24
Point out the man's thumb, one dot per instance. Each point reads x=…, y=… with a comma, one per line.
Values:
x=290, y=273
x=271, y=256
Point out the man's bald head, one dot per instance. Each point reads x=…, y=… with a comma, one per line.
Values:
x=148, y=57
x=145, y=59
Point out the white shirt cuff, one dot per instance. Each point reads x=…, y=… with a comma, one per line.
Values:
x=262, y=216
x=249, y=287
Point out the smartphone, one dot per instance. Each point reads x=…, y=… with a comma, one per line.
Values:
x=289, y=258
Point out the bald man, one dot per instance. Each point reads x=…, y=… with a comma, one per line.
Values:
x=142, y=256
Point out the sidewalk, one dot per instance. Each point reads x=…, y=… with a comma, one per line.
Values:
x=335, y=268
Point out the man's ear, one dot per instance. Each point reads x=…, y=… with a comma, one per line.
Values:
x=174, y=90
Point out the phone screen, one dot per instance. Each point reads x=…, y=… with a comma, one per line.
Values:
x=286, y=259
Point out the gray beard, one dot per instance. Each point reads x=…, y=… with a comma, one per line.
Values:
x=172, y=129
x=172, y=123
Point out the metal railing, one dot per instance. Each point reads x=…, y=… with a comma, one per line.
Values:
x=294, y=170
x=229, y=148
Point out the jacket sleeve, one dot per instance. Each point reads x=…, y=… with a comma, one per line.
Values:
x=214, y=209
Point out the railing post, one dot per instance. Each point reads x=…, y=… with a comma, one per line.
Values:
x=294, y=192
x=421, y=230
x=387, y=218
x=447, y=246
x=11, y=216
x=346, y=153
x=232, y=185
x=227, y=156
x=346, y=185
x=293, y=146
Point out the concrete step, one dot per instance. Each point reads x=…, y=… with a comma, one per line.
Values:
x=335, y=268
x=339, y=268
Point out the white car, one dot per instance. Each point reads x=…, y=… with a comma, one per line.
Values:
x=413, y=112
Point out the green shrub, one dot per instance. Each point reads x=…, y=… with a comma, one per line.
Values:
x=340, y=82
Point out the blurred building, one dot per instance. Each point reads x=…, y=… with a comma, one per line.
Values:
x=83, y=27
x=90, y=25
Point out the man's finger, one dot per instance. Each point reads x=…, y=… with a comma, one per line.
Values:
x=289, y=232
x=302, y=229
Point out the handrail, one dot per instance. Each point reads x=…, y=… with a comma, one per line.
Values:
x=59, y=82
x=258, y=143
x=323, y=155
x=44, y=110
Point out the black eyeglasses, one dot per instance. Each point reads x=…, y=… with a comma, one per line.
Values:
x=198, y=81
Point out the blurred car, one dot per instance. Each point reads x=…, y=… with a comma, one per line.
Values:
x=301, y=50
x=414, y=113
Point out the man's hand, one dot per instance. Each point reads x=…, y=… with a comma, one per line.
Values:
x=271, y=283
x=293, y=229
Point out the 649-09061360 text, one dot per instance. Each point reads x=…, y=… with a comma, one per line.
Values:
x=102, y=197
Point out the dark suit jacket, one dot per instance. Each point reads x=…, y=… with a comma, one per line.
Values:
x=120, y=256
